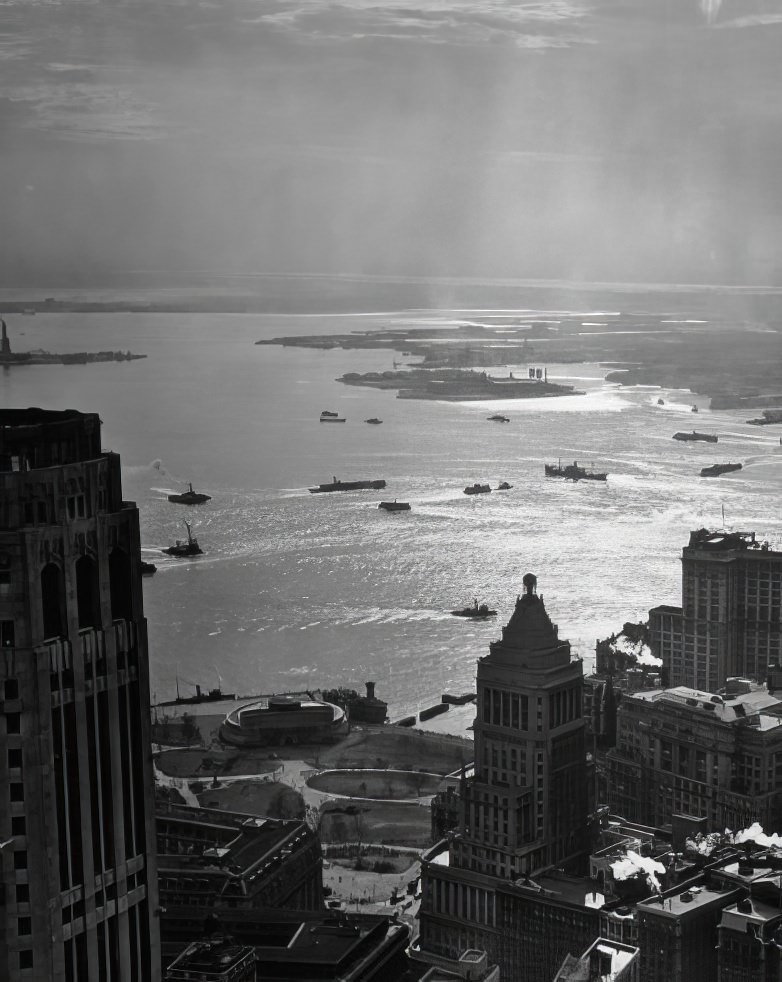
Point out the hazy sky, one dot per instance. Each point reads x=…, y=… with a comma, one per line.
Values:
x=614, y=140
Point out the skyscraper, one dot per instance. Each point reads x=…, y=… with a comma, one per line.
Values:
x=79, y=891
x=730, y=622
x=525, y=809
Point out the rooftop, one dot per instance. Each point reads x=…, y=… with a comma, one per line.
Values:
x=683, y=902
x=749, y=707
x=721, y=540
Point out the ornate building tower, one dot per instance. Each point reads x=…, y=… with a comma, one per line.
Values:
x=526, y=807
x=78, y=897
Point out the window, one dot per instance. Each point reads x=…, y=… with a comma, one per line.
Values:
x=13, y=722
x=11, y=688
x=20, y=859
x=25, y=958
x=7, y=634
x=15, y=758
x=5, y=582
x=16, y=791
x=22, y=893
x=24, y=926
x=18, y=825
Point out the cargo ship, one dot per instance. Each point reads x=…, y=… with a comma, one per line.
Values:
x=716, y=469
x=337, y=485
x=572, y=472
x=706, y=437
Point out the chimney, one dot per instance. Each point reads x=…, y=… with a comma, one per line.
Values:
x=370, y=690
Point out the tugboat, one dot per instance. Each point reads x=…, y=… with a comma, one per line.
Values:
x=189, y=548
x=661, y=402
x=374, y=420
x=477, y=489
x=189, y=497
x=572, y=472
x=336, y=485
x=394, y=505
x=504, y=486
x=716, y=469
x=499, y=418
x=148, y=569
x=706, y=437
x=476, y=612
x=694, y=409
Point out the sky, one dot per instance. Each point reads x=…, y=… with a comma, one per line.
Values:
x=612, y=140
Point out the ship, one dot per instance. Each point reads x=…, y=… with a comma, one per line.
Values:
x=661, y=402
x=189, y=497
x=706, y=437
x=148, y=569
x=476, y=611
x=716, y=469
x=189, y=548
x=499, y=418
x=374, y=420
x=337, y=485
x=694, y=409
x=572, y=472
x=326, y=417
x=327, y=412
x=477, y=489
x=394, y=505
x=504, y=486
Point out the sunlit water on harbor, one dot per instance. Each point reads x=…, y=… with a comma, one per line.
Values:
x=296, y=590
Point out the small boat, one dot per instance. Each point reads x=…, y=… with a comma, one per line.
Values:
x=661, y=402
x=476, y=611
x=374, y=420
x=706, y=437
x=326, y=417
x=148, y=569
x=694, y=409
x=504, y=486
x=189, y=497
x=716, y=469
x=326, y=412
x=499, y=418
x=394, y=505
x=572, y=472
x=189, y=548
x=337, y=485
x=477, y=489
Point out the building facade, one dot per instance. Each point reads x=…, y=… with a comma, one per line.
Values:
x=209, y=857
x=525, y=807
x=685, y=752
x=730, y=621
x=76, y=792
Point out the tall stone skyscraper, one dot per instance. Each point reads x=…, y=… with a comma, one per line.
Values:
x=525, y=808
x=77, y=844
x=730, y=621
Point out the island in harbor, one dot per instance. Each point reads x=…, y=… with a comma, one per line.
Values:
x=41, y=357
x=454, y=384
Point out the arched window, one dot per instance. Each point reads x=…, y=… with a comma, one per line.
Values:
x=120, y=582
x=87, y=592
x=52, y=597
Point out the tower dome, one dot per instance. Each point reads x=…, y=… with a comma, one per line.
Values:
x=530, y=582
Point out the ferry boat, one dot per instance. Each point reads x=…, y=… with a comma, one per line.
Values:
x=326, y=417
x=572, y=472
x=189, y=497
x=189, y=548
x=337, y=485
x=716, y=469
x=706, y=437
x=394, y=505
x=477, y=489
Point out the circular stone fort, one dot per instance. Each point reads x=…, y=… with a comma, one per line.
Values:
x=279, y=721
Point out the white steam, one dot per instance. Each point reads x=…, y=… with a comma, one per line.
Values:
x=710, y=9
x=634, y=863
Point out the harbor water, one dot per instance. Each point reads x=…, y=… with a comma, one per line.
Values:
x=299, y=591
